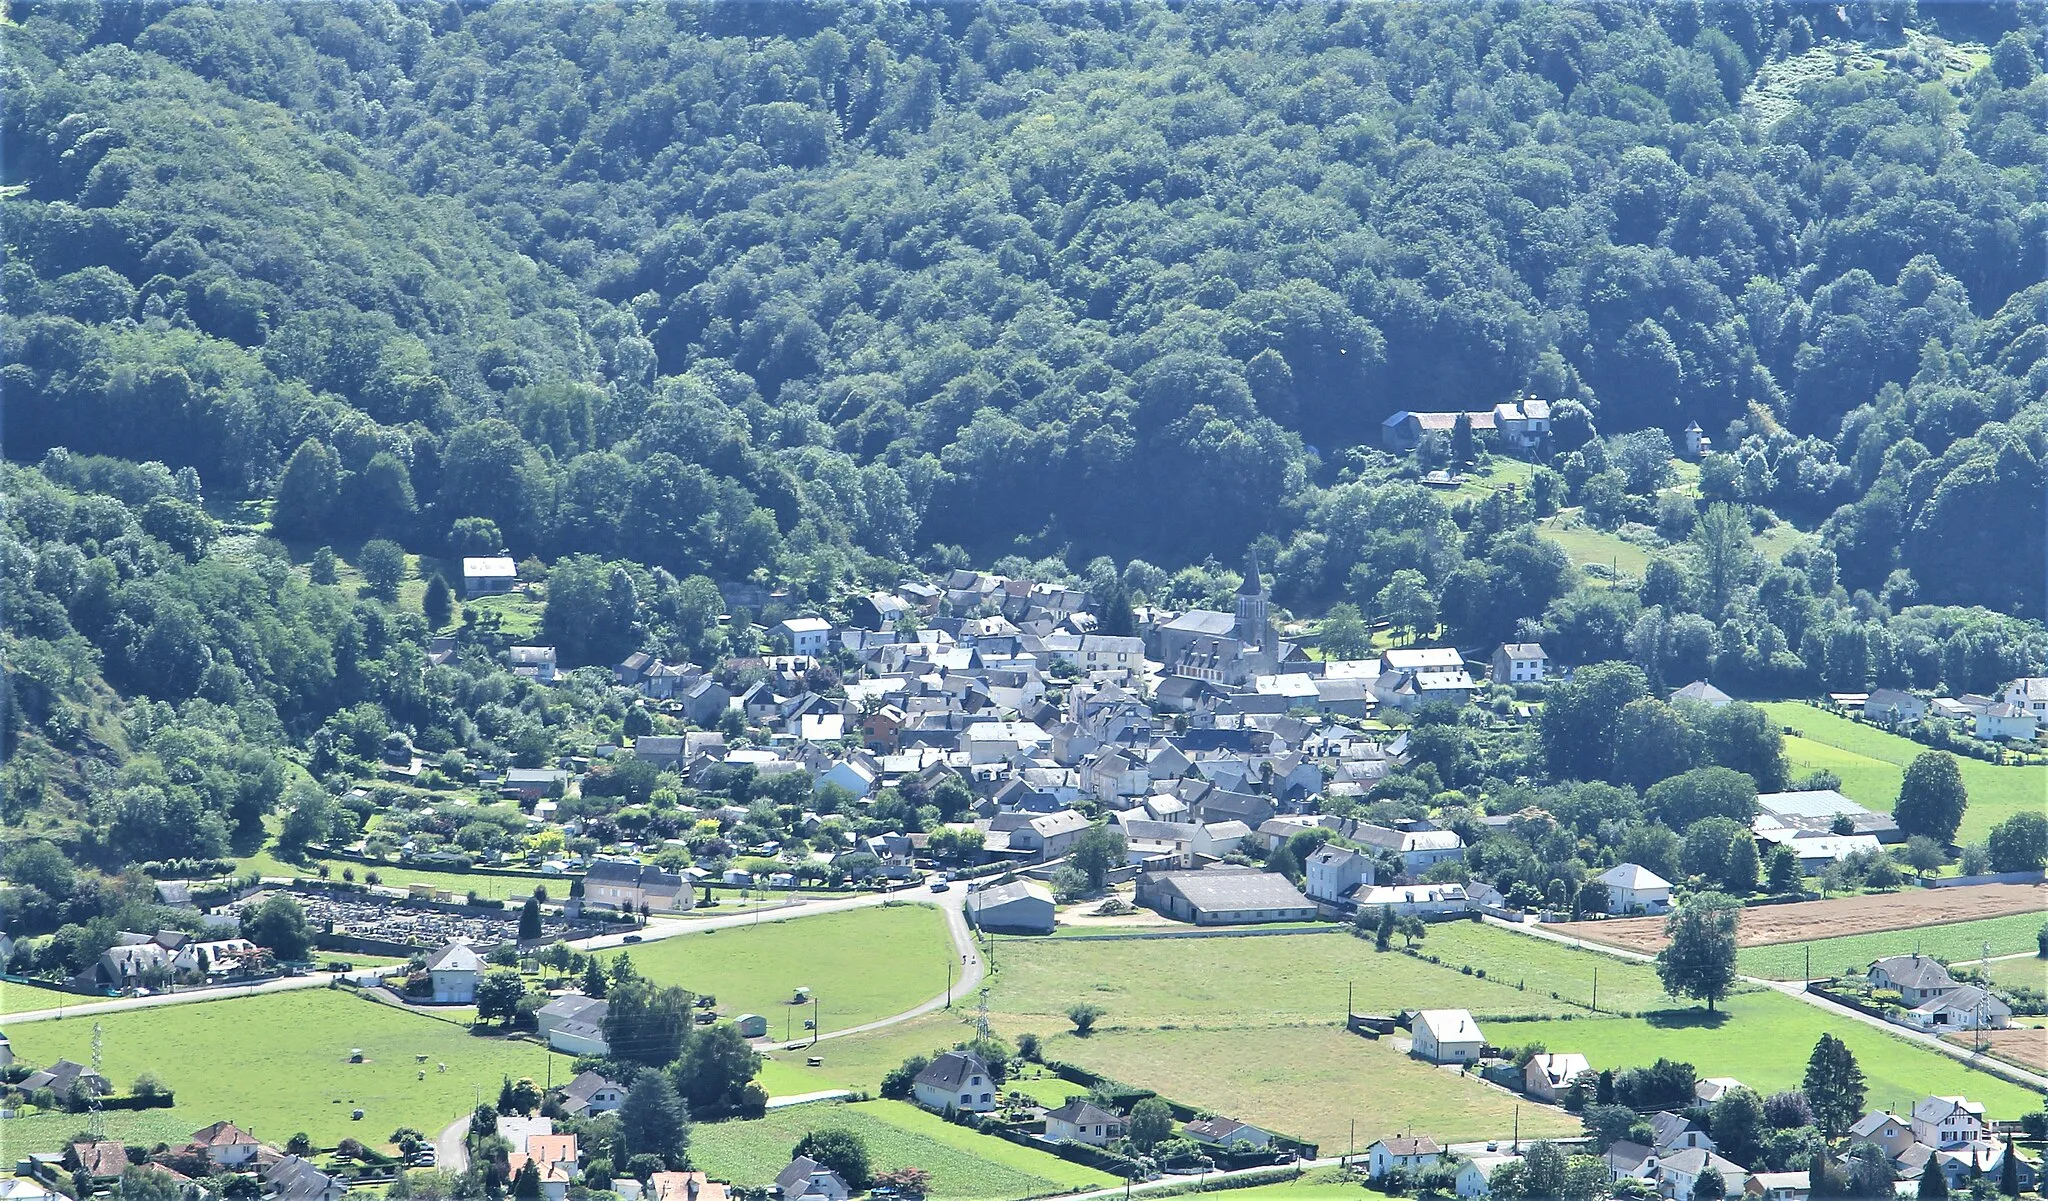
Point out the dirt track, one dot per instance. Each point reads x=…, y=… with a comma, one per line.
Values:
x=2024, y=1046
x=1764, y=925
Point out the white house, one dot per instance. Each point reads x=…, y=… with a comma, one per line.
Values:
x=1701, y=692
x=1475, y=1174
x=536, y=663
x=574, y=1024
x=1079, y=1121
x=1942, y=1122
x=1447, y=1036
x=1408, y=1154
x=1681, y=1172
x=805, y=1179
x=1520, y=663
x=1967, y=1007
x=1632, y=887
x=590, y=1093
x=1419, y=850
x=455, y=970
x=1336, y=874
x=2007, y=720
x=486, y=575
x=226, y=1145
x=1548, y=1077
x=1416, y=899
x=806, y=635
x=853, y=775
x=957, y=1080
x=2029, y=693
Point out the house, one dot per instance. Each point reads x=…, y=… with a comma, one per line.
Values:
x=1522, y=424
x=626, y=883
x=1702, y=693
x=1081, y=1121
x=662, y=750
x=591, y=1093
x=1446, y=1036
x=1631, y=887
x=102, y=1159
x=1710, y=1089
x=856, y=776
x=1696, y=442
x=1548, y=1077
x=1778, y=1186
x=705, y=701
x=1228, y=1133
x=1627, y=1160
x=683, y=1186
x=805, y=1179
x=1884, y=1129
x=1407, y=1154
x=1519, y=663
x=536, y=663
x=1676, y=1132
x=1224, y=896
x=1916, y=977
x=294, y=1179
x=1680, y=1172
x=1815, y=852
x=1335, y=874
x=488, y=575
x=533, y=783
x=2006, y=720
x=1404, y=430
x=1983, y=1159
x=879, y=611
x=62, y=1077
x=225, y=1144
x=1893, y=707
x=1419, y=900
x=125, y=967
x=455, y=970
x=1475, y=1173
x=2029, y=693
x=1968, y=1007
x=956, y=1080
x=574, y=1024
x=220, y=956
x=1943, y=1122
x=1049, y=835
x=805, y=635
x=1019, y=907
x=1419, y=850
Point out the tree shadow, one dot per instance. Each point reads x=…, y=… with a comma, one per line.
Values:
x=1694, y=1018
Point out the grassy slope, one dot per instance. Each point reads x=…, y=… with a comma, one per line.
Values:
x=278, y=1063
x=862, y=965
x=1587, y=545
x=861, y=1060
x=20, y=998
x=1548, y=968
x=2013, y=973
x=1310, y=1082
x=1763, y=1040
x=1853, y=952
x=1875, y=761
x=965, y=1166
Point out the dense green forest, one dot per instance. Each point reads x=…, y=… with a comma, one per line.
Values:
x=662, y=294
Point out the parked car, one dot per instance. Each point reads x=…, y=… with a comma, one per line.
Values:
x=940, y=886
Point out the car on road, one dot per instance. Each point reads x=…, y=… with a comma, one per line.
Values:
x=940, y=886
x=631, y=938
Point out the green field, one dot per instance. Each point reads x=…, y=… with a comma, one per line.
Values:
x=20, y=998
x=1871, y=763
x=1763, y=1039
x=1851, y=954
x=144, y=1127
x=518, y=613
x=1547, y=967
x=861, y=1060
x=861, y=964
x=1310, y=1082
x=1266, y=981
x=965, y=1166
x=278, y=1063
x=2015, y=973
x=1587, y=545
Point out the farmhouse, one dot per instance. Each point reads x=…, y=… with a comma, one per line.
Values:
x=1447, y=1036
x=1081, y=1121
x=625, y=883
x=1893, y=707
x=1335, y=874
x=1632, y=887
x=455, y=970
x=225, y=1144
x=1419, y=850
x=1520, y=663
x=2006, y=720
x=957, y=1080
x=1224, y=896
x=1917, y=977
x=589, y=1094
x=1884, y=1129
x=1408, y=1154
x=805, y=1179
x=1019, y=907
x=1964, y=1008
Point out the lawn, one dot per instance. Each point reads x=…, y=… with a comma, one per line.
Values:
x=518, y=613
x=965, y=1166
x=20, y=998
x=143, y=1127
x=2016, y=973
x=1763, y=1039
x=861, y=1060
x=278, y=1063
x=1547, y=968
x=1310, y=1082
x=1587, y=545
x=1234, y=982
x=861, y=964
x=1871, y=762
x=1852, y=953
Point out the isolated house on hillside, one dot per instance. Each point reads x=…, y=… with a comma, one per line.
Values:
x=1447, y=1036
x=956, y=1080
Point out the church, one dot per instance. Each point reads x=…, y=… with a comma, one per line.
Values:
x=1226, y=649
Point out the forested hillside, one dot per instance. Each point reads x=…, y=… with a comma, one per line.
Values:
x=874, y=278
x=658, y=295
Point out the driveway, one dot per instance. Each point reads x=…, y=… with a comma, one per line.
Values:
x=451, y=1152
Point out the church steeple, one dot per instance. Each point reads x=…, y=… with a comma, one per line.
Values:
x=1252, y=608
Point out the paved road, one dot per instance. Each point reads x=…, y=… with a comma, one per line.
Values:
x=953, y=904
x=676, y=927
x=451, y=1154
x=1797, y=991
x=116, y=1005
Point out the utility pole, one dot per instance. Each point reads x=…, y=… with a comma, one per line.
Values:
x=1596, y=988
x=96, y=1121
x=949, y=981
x=815, y=1031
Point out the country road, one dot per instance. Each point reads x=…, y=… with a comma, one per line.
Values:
x=118, y=1004
x=1797, y=991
